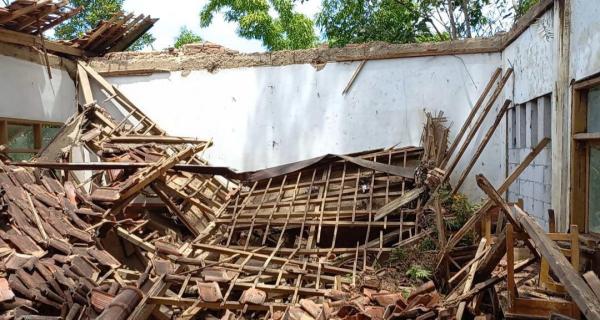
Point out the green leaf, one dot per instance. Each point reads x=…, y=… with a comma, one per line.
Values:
x=285, y=30
x=186, y=36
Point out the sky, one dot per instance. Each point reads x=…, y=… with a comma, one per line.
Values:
x=175, y=14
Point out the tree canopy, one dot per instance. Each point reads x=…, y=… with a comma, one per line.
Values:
x=287, y=29
x=279, y=26
x=186, y=36
x=358, y=21
x=95, y=11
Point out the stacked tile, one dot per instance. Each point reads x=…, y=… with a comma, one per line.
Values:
x=50, y=262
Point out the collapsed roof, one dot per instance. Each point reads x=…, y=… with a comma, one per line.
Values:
x=25, y=21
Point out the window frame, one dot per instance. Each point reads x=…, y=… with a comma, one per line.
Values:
x=37, y=133
x=581, y=142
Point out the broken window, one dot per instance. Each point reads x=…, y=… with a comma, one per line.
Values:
x=585, y=208
x=593, y=124
x=23, y=138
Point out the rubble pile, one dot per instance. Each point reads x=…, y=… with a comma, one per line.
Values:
x=150, y=230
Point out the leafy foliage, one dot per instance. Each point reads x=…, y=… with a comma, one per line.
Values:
x=417, y=272
x=468, y=18
x=289, y=30
x=397, y=255
x=459, y=205
x=462, y=209
x=523, y=6
x=341, y=22
x=186, y=36
x=357, y=21
x=427, y=244
x=95, y=11
x=142, y=42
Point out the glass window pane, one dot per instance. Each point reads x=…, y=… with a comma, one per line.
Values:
x=20, y=136
x=48, y=133
x=593, y=109
x=20, y=156
x=594, y=190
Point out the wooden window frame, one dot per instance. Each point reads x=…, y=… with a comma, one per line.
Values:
x=37, y=133
x=580, y=152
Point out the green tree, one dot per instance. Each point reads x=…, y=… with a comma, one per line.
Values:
x=470, y=18
x=288, y=30
x=402, y=21
x=95, y=11
x=186, y=36
x=523, y=6
x=357, y=21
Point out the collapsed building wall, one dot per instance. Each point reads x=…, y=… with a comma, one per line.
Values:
x=269, y=115
x=382, y=107
x=252, y=91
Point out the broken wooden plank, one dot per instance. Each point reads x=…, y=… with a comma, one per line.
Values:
x=579, y=291
x=155, y=139
x=354, y=76
x=406, y=198
x=487, y=205
x=84, y=86
x=481, y=147
x=593, y=282
x=470, y=278
x=452, y=165
x=471, y=115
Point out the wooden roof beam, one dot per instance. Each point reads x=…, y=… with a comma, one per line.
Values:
x=133, y=34
x=20, y=38
x=49, y=10
x=60, y=20
x=23, y=11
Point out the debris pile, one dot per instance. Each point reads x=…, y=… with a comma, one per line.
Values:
x=25, y=21
x=50, y=257
x=35, y=17
x=113, y=35
x=151, y=230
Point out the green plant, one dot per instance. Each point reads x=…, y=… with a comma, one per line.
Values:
x=274, y=22
x=458, y=205
x=417, y=272
x=405, y=293
x=427, y=244
x=186, y=36
x=358, y=21
x=397, y=255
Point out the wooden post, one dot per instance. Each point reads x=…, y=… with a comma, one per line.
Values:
x=510, y=260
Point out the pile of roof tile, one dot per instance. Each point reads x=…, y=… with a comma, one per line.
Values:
x=153, y=231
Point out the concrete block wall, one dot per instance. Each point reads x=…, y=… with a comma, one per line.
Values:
x=528, y=123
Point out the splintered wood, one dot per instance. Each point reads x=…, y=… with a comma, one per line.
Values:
x=115, y=34
x=148, y=230
x=35, y=17
x=23, y=19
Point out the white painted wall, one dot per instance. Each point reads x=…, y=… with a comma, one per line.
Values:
x=532, y=58
x=26, y=92
x=267, y=116
x=585, y=38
